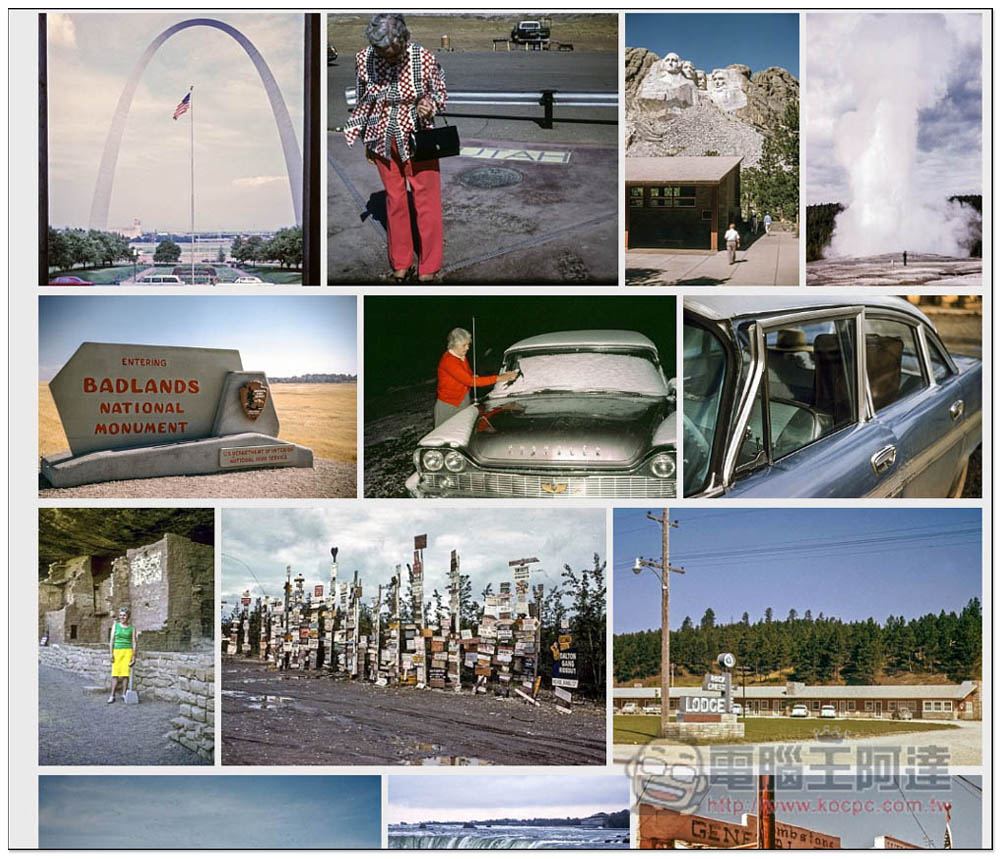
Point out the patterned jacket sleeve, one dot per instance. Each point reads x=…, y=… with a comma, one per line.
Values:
x=359, y=116
x=434, y=85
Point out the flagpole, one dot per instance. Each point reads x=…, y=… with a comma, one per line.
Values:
x=191, y=103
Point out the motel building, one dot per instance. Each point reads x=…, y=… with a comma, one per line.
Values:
x=681, y=203
x=937, y=702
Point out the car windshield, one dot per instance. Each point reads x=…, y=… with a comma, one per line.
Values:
x=704, y=378
x=619, y=371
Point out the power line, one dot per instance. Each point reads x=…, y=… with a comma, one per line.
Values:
x=252, y=573
x=906, y=804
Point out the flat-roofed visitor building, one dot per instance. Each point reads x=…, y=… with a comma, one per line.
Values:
x=682, y=202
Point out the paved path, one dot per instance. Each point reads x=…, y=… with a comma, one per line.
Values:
x=770, y=261
x=79, y=728
x=964, y=744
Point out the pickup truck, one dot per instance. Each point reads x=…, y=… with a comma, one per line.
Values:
x=529, y=31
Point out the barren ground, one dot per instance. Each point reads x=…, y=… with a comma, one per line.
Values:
x=298, y=718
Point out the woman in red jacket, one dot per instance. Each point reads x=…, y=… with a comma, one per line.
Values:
x=455, y=377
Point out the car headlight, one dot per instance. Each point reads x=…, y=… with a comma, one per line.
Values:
x=663, y=466
x=454, y=461
x=433, y=460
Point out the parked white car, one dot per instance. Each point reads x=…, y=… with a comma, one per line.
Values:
x=651, y=709
x=737, y=710
x=629, y=708
x=799, y=711
x=247, y=279
x=828, y=711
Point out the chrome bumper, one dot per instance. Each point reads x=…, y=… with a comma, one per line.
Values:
x=498, y=484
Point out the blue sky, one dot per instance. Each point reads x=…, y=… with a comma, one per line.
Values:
x=413, y=799
x=283, y=335
x=716, y=40
x=240, y=175
x=234, y=811
x=860, y=829
x=374, y=541
x=912, y=562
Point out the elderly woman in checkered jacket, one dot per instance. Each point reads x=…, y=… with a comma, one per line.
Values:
x=400, y=89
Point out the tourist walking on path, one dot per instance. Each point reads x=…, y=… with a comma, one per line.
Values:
x=732, y=243
x=767, y=223
x=400, y=88
x=123, y=650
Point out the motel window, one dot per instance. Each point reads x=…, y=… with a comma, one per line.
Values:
x=852, y=707
x=635, y=197
x=869, y=706
x=815, y=705
x=947, y=706
x=892, y=706
x=671, y=196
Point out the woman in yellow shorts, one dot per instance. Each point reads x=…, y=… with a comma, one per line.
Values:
x=122, y=651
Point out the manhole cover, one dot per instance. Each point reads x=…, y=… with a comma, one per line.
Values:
x=491, y=177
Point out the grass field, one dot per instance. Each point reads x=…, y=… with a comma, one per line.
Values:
x=641, y=729
x=273, y=274
x=323, y=417
x=111, y=274
x=476, y=32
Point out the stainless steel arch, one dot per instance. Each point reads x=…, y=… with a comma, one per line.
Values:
x=109, y=160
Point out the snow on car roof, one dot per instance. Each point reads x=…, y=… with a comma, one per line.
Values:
x=735, y=306
x=591, y=337
x=586, y=371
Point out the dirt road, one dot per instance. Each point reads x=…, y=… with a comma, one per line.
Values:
x=298, y=718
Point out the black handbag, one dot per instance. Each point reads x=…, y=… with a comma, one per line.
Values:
x=427, y=144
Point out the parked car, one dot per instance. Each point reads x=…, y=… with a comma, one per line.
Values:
x=629, y=708
x=799, y=711
x=824, y=397
x=903, y=713
x=590, y=415
x=331, y=54
x=160, y=278
x=828, y=711
x=651, y=709
x=70, y=280
x=246, y=278
x=737, y=709
x=529, y=31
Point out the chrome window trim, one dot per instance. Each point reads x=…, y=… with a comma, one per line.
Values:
x=759, y=331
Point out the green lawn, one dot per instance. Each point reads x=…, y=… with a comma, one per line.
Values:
x=642, y=729
x=274, y=275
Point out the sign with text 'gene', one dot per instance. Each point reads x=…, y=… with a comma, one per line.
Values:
x=115, y=395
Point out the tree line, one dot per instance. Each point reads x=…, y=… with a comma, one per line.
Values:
x=284, y=248
x=87, y=248
x=817, y=650
x=772, y=186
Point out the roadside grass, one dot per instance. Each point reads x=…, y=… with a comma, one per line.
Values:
x=109, y=275
x=276, y=275
x=642, y=729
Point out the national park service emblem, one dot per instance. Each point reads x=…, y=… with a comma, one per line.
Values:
x=253, y=398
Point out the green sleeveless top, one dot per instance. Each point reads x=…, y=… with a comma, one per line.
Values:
x=123, y=637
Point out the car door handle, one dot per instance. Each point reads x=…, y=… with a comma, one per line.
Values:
x=957, y=409
x=884, y=459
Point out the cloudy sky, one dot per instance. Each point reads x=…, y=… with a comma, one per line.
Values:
x=178, y=812
x=373, y=541
x=282, y=335
x=848, y=56
x=413, y=799
x=240, y=176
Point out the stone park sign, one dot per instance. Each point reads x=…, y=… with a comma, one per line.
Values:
x=132, y=411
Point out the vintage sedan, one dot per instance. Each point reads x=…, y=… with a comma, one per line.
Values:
x=825, y=398
x=589, y=415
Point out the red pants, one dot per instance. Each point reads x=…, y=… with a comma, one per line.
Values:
x=425, y=180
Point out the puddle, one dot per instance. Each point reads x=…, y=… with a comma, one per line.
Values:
x=268, y=702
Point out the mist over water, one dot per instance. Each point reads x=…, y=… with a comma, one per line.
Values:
x=896, y=67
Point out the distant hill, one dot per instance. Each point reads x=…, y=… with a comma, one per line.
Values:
x=316, y=378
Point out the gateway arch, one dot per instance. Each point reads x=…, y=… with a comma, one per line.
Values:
x=290, y=146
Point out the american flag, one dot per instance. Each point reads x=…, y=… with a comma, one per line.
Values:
x=184, y=106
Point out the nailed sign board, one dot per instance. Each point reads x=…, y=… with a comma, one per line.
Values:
x=789, y=837
x=701, y=705
x=118, y=395
x=420, y=541
x=565, y=682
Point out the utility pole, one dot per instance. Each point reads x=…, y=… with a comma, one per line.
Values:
x=664, y=570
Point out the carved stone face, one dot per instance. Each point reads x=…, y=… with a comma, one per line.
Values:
x=719, y=80
x=701, y=79
x=687, y=69
x=672, y=63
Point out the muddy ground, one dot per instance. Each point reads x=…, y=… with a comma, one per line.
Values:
x=394, y=422
x=301, y=718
